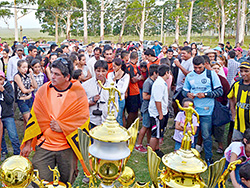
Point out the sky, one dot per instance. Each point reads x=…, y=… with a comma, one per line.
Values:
x=28, y=21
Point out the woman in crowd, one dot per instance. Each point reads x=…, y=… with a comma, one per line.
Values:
x=83, y=66
x=24, y=85
x=223, y=61
x=163, y=53
x=52, y=58
x=121, y=79
x=194, y=52
x=4, y=60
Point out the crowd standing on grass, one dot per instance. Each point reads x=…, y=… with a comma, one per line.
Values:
x=40, y=83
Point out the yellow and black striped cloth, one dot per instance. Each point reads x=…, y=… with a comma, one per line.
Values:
x=241, y=93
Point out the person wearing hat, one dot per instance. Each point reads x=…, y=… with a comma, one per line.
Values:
x=12, y=65
x=7, y=116
x=157, y=48
x=239, y=98
x=239, y=57
x=218, y=50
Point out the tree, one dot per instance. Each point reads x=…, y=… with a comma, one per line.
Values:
x=190, y=20
x=123, y=22
x=241, y=21
x=85, y=22
x=5, y=13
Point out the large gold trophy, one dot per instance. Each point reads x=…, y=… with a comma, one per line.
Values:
x=107, y=156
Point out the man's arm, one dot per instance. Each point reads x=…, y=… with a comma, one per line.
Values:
x=146, y=96
x=25, y=152
x=232, y=103
x=178, y=64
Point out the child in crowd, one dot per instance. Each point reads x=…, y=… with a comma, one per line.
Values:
x=78, y=75
x=233, y=152
x=146, y=94
x=7, y=116
x=24, y=86
x=39, y=76
x=83, y=66
x=179, y=124
x=144, y=72
x=245, y=174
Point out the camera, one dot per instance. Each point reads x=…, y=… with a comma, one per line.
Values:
x=97, y=112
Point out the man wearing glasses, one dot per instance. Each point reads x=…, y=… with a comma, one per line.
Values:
x=59, y=109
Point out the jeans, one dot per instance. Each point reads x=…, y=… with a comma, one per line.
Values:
x=120, y=113
x=10, y=125
x=178, y=145
x=206, y=133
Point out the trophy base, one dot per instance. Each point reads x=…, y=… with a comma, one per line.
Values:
x=107, y=186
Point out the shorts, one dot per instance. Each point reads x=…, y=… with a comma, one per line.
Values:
x=237, y=136
x=158, y=126
x=25, y=105
x=146, y=119
x=132, y=103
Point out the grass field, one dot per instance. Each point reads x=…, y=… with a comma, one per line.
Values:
x=35, y=34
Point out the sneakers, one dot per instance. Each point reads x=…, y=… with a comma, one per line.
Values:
x=220, y=151
x=159, y=153
x=140, y=148
x=3, y=156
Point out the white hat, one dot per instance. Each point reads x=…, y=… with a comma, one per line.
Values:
x=209, y=51
x=174, y=45
x=175, y=53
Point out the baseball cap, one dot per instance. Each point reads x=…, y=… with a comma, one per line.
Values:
x=245, y=64
x=2, y=74
x=175, y=53
x=218, y=48
x=208, y=51
x=19, y=47
x=174, y=45
x=238, y=49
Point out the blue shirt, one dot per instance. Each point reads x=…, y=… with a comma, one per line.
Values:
x=200, y=83
x=157, y=49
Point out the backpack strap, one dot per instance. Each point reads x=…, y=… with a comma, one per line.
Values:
x=209, y=75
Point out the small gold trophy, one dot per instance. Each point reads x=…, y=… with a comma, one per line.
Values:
x=111, y=149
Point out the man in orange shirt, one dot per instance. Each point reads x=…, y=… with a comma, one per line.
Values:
x=108, y=57
x=150, y=56
x=133, y=100
x=60, y=108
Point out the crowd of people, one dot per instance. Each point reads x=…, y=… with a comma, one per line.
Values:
x=59, y=91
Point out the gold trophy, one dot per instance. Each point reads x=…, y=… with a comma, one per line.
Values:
x=107, y=156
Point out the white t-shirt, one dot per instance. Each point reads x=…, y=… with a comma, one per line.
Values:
x=91, y=63
x=159, y=93
x=188, y=65
x=235, y=147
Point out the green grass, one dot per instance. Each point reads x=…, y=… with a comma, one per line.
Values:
x=35, y=34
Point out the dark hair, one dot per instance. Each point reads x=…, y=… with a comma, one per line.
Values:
x=80, y=56
x=244, y=171
x=76, y=74
x=101, y=64
x=73, y=57
x=131, y=49
x=150, y=52
x=59, y=51
x=196, y=51
x=31, y=47
x=153, y=68
x=187, y=100
x=53, y=53
x=98, y=49
x=133, y=55
x=74, y=53
x=36, y=42
x=194, y=44
x=198, y=60
x=106, y=48
x=187, y=49
x=246, y=135
x=124, y=53
x=20, y=62
x=29, y=59
x=162, y=69
x=119, y=62
x=35, y=61
x=185, y=42
x=80, y=51
x=6, y=50
x=65, y=65
x=164, y=61
x=206, y=58
x=39, y=57
x=232, y=54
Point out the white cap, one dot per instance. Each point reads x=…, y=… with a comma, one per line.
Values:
x=175, y=53
x=208, y=51
x=174, y=45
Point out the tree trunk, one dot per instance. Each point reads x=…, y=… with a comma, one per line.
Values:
x=242, y=22
x=142, y=21
x=68, y=25
x=85, y=22
x=102, y=21
x=177, y=27
x=223, y=22
x=162, y=13
x=190, y=21
x=16, y=24
x=56, y=29
x=123, y=23
x=238, y=22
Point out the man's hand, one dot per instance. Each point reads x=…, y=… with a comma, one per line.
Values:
x=160, y=116
x=200, y=95
x=96, y=98
x=190, y=95
x=55, y=126
x=1, y=88
x=25, y=152
x=177, y=62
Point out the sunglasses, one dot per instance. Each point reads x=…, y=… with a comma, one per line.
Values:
x=63, y=61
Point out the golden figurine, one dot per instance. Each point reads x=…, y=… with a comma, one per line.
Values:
x=188, y=113
x=56, y=175
x=112, y=89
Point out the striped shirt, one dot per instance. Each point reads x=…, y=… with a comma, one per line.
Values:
x=241, y=93
x=232, y=70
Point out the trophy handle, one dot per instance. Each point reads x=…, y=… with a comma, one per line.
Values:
x=215, y=171
x=133, y=130
x=153, y=166
x=84, y=148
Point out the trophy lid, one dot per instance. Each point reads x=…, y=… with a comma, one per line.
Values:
x=185, y=160
x=110, y=131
